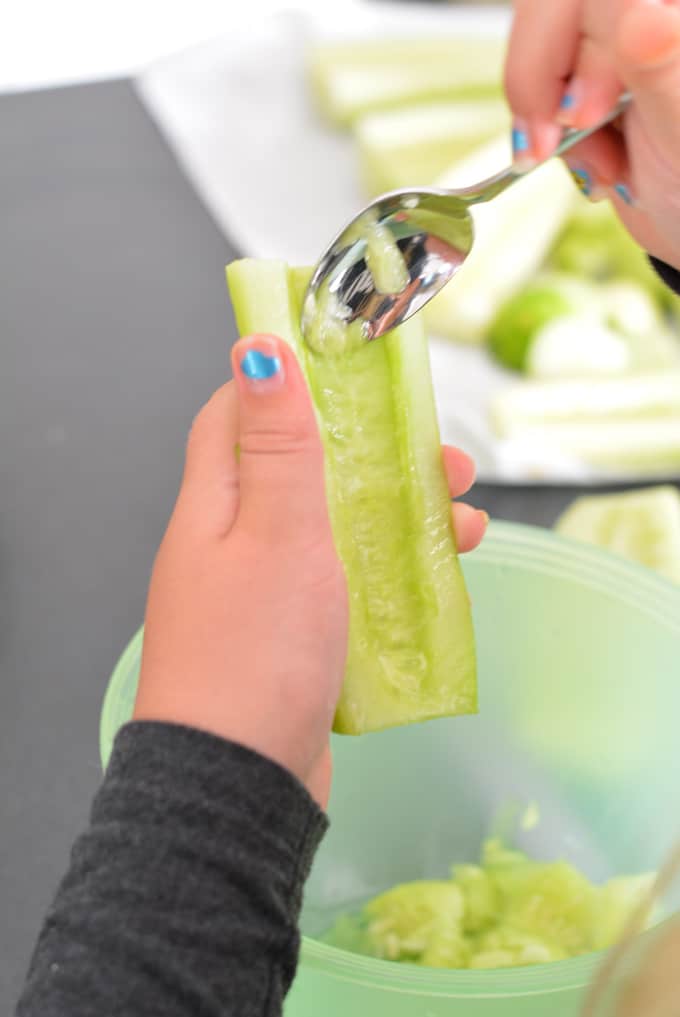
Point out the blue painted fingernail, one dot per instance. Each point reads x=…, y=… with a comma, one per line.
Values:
x=258, y=366
x=625, y=193
x=520, y=140
x=572, y=98
x=582, y=179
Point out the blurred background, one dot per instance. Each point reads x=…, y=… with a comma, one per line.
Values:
x=45, y=44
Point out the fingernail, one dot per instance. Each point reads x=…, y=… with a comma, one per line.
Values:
x=261, y=366
x=624, y=192
x=522, y=155
x=586, y=181
x=485, y=517
x=583, y=179
x=569, y=104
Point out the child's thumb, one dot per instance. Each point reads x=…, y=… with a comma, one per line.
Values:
x=282, y=491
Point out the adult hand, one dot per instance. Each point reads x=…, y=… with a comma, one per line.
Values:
x=247, y=616
x=568, y=62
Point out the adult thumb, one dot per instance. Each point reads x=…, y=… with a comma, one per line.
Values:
x=281, y=473
x=648, y=58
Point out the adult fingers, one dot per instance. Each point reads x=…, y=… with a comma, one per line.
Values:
x=542, y=53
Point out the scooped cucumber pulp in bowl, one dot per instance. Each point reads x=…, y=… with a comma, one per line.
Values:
x=411, y=648
x=578, y=666
x=506, y=911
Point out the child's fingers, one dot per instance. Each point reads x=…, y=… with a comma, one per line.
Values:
x=469, y=525
x=460, y=470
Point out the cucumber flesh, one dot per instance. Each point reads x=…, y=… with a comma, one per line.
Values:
x=384, y=259
x=641, y=525
x=508, y=911
x=411, y=648
x=351, y=79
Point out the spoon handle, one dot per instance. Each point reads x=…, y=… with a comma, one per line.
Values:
x=573, y=137
x=495, y=185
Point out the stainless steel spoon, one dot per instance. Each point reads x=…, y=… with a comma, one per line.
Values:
x=431, y=233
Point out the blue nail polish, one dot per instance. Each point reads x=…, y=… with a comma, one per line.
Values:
x=568, y=101
x=258, y=366
x=583, y=180
x=520, y=140
x=624, y=193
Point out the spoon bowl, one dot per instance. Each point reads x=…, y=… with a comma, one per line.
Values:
x=402, y=248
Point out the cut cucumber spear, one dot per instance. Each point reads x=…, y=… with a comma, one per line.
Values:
x=412, y=146
x=411, y=649
x=349, y=79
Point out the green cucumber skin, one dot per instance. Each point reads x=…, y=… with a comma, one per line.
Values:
x=411, y=648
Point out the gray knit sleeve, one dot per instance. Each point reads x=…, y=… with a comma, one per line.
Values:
x=183, y=896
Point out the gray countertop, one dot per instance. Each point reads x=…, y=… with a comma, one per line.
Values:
x=115, y=326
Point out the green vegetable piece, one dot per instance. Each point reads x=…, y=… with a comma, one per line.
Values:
x=411, y=146
x=349, y=79
x=481, y=897
x=641, y=525
x=617, y=901
x=522, y=316
x=411, y=648
x=550, y=902
x=578, y=346
x=630, y=308
x=509, y=911
x=595, y=244
x=384, y=259
x=410, y=919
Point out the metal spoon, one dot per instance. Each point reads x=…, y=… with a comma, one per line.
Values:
x=431, y=231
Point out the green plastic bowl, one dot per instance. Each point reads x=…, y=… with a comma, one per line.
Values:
x=579, y=672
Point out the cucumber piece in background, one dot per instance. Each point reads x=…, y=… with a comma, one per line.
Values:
x=641, y=525
x=411, y=648
x=626, y=423
x=578, y=346
x=652, y=395
x=594, y=243
x=349, y=79
x=413, y=145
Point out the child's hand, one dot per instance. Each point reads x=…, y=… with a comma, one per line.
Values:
x=568, y=62
x=246, y=622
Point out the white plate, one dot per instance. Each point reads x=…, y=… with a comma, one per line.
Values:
x=280, y=183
